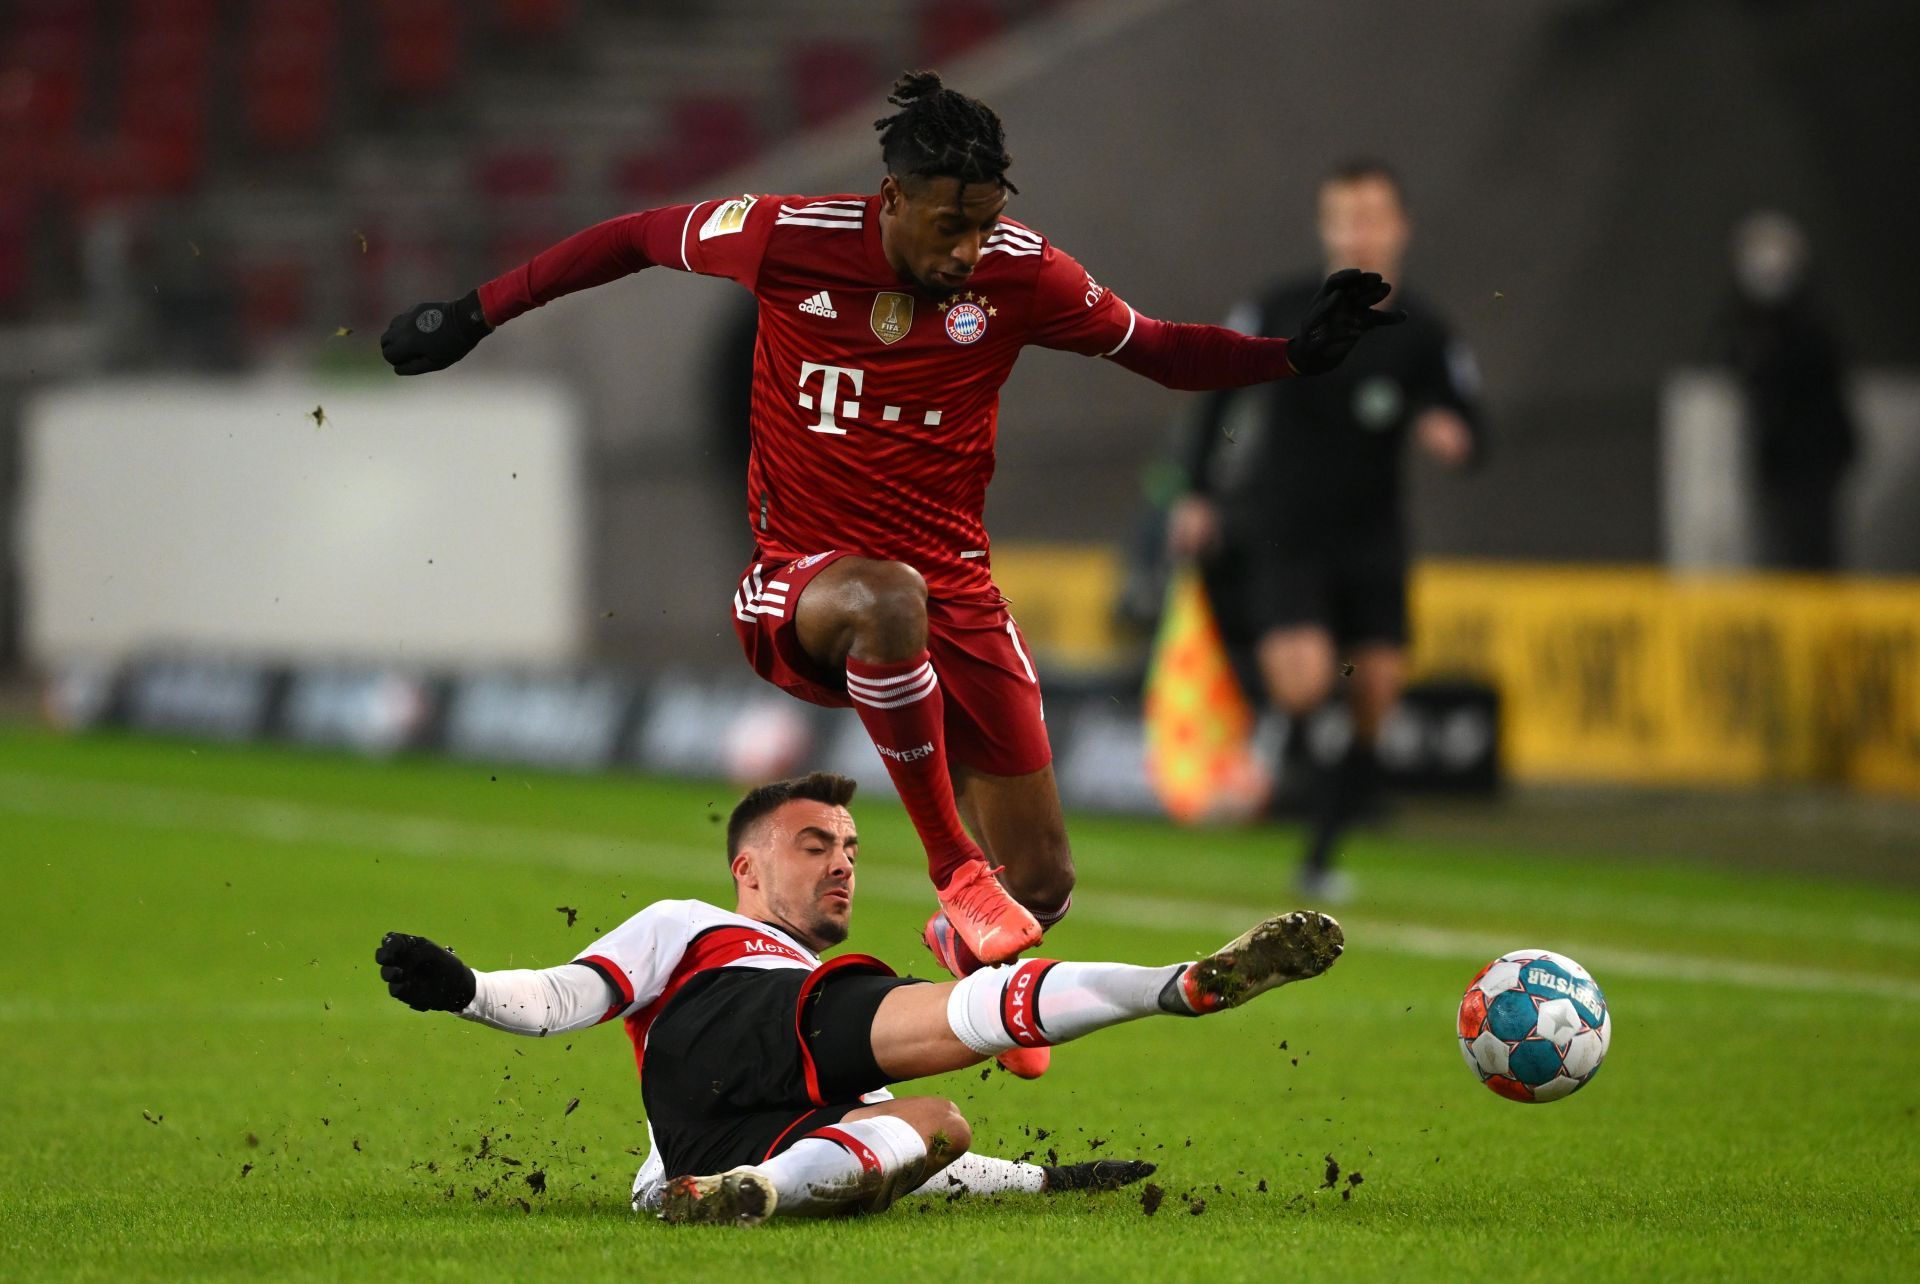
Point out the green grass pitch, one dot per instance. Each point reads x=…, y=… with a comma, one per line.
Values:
x=204, y=1078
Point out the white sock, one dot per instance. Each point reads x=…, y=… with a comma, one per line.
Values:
x=863, y=1163
x=985, y=1175
x=1040, y=1002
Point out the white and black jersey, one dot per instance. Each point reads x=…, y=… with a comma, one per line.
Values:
x=741, y=1041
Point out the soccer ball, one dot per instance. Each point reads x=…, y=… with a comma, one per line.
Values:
x=1534, y=1026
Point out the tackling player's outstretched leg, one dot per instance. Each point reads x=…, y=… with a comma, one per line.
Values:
x=875, y=1156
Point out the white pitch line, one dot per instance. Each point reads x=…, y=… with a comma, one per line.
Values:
x=1478, y=947
x=429, y=837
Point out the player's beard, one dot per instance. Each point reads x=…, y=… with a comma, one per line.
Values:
x=832, y=931
x=813, y=924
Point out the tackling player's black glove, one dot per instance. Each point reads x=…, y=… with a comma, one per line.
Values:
x=432, y=336
x=424, y=976
x=1337, y=317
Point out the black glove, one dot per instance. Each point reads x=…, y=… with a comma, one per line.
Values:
x=1101, y=1174
x=1335, y=320
x=424, y=976
x=432, y=336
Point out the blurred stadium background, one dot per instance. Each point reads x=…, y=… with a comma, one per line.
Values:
x=293, y=651
x=224, y=516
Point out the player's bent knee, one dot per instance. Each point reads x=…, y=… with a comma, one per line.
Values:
x=1046, y=890
x=889, y=612
x=1043, y=879
x=952, y=1136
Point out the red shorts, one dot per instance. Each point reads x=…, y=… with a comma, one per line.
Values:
x=994, y=719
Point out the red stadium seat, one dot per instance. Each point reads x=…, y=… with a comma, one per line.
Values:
x=286, y=73
x=535, y=19
x=518, y=173
x=40, y=102
x=46, y=61
x=286, y=96
x=126, y=169
x=830, y=77
x=706, y=136
x=711, y=134
x=417, y=47
x=16, y=237
x=174, y=17
x=165, y=95
x=74, y=19
x=639, y=178
x=949, y=28
x=518, y=187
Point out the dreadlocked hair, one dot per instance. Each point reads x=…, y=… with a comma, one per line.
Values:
x=942, y=133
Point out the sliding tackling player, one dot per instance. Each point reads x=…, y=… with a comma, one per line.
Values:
x=764, y=1071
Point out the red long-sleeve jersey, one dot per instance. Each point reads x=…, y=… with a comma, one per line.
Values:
x=875, y=404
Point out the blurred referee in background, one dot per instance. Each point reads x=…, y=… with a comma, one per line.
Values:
x=1298, y=525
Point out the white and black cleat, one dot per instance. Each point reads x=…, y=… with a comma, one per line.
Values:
x=738, y=1197
x=1287, y=947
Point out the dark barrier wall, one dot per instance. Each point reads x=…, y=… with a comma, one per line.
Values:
x=1575, y=168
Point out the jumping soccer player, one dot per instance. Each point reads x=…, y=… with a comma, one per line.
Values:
x=887, y=325
x=764, y=1071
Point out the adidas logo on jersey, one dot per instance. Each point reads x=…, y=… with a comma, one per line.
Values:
x=820, y=306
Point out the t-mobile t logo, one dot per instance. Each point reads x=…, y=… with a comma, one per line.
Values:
x=830, y=403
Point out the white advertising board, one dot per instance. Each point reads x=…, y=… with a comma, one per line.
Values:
x=431, y=521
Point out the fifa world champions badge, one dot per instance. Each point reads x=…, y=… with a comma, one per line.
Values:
x=967, y=317
x=892, y=316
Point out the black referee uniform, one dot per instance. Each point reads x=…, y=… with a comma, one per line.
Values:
x=1311, y=526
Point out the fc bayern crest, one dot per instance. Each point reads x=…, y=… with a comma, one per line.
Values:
x=966, y=322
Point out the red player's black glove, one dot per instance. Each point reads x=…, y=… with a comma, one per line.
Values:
x=1337, y=317
x=424, y=976
x=432, y=336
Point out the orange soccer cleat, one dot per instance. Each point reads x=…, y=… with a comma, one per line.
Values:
x=984, y=914
x=952, y=954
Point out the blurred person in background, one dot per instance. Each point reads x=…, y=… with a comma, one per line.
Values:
x=1304, y=548
x=1792, y=381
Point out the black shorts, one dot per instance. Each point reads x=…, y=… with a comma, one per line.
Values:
x=1356, y=592
x=745, y=1061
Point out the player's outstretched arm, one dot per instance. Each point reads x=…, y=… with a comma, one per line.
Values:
x=424, y=976
x=431, y=978
x=432, y=336
x=1203, y=358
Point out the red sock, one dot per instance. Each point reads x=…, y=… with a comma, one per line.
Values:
x=901, y=708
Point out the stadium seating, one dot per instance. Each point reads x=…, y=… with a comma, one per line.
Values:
x=535, y=19
x=948, y=28
x=417, y=47
x=165, y=87
x=152, y=106
x=287, y=67
x=517, y=187
x=16, y=243
x=829, y=77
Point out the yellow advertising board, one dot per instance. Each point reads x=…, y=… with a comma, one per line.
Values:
x=1633, y=674
x=1647, y=676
